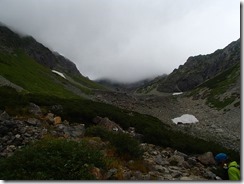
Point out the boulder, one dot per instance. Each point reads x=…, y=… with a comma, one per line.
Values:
x=206, y=158
x=127, y=174
x=33, y=121
x=176, y=152
x=186, y=165
x=108, y=124
x=192, y=161
x=17, y=136
x=4, y=116
x=7, y=127
x=57, y=109
x=50, y=117
x=111, y=173
x=35, y=109
x=137, y=175
x=176, y=174
x=161, y=169
x=176, y=160
x=57, y=120
x=158, y=159
x=77, y=131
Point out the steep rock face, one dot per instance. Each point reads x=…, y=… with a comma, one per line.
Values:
x=200, y=68
x=10, y=41
x=65, y=65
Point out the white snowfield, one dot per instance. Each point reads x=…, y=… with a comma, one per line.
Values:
x=59, y=73
x=177, y=93
x=185, y=118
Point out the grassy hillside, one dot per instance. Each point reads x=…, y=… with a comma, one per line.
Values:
x=21, y=69
x=23, y=54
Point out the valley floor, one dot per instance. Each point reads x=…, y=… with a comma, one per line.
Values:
x=222, y=126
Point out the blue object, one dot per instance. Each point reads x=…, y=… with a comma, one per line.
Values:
x=221, y=157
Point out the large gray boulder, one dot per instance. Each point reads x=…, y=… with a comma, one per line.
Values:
x=107, y=124
x=206, y=158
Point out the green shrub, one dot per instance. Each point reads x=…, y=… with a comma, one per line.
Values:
x=124, y=144
x=99, y=132
x=52, y=159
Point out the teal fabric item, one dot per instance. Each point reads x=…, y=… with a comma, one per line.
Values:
x=221, y=157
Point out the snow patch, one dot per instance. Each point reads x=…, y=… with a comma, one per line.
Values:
x=178, y=93
x=59, y=73
x=185, y=118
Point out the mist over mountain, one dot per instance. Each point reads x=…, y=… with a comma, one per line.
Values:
x=38, y=51
x=30, y=66
x=120, y=86
x=57, y=124
x=128, y=40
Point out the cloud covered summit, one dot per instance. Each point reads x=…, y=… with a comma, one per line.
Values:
x=126, y=40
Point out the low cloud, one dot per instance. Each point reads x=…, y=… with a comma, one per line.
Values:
x=126, y=40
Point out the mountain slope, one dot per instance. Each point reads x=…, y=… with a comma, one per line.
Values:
x=23, y=71
x=222, y=90
x=200, y=68
x=9, y=41
x=29, y=64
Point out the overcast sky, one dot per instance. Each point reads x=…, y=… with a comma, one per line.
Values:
x=126, y=40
